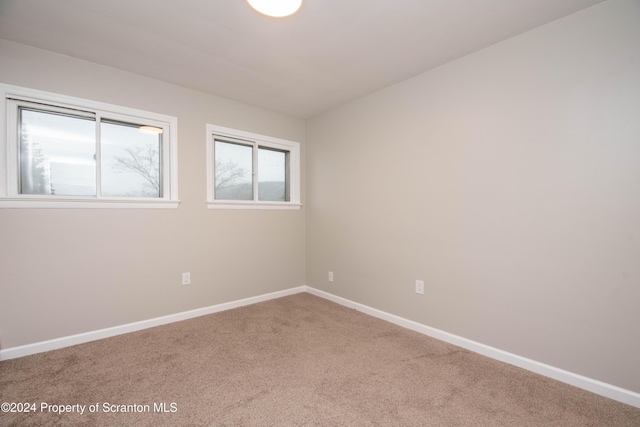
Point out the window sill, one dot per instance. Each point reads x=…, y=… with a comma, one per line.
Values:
x=60, y=203
x=253, y=205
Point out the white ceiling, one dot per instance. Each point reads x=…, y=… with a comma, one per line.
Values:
x=330, y=52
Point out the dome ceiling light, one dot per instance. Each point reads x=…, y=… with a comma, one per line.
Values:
x=276, y=8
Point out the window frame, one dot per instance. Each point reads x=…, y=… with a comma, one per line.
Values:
x=12, y=97
x=256, y=141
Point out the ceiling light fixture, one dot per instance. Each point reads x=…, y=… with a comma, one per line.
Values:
x=276, y=8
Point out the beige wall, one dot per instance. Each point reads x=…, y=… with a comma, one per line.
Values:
x=509, y=181
x=67, y=271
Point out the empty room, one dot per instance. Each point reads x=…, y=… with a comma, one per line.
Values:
x=363, y=212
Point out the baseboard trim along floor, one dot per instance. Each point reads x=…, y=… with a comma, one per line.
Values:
x=598, y=387
x=39, y=347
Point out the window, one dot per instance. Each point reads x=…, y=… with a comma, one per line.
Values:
x=66, y=152
x=246, y=170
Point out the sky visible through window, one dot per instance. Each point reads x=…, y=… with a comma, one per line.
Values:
x=58, y=156
x=234, y=167
x=270, y=162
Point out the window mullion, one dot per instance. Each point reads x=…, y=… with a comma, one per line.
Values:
x=97, y=158
x=255, y=172
x=13, y=152
x=165, y=167
x=287, y=176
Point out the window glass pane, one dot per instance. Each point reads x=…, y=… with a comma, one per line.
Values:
x=272, y=175
x=233, y=171
x=130, y=159
x=57, y=154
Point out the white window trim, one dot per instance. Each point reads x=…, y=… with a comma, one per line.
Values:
x=294, y=169
x=9, y=197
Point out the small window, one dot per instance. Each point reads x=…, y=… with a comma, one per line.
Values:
x=246, y=170
x=66, y=152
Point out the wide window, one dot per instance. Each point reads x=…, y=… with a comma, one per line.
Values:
x=247, y=170
x=66, y=152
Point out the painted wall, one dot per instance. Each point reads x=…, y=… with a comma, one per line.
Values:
x=68, y=271
x=509, y=181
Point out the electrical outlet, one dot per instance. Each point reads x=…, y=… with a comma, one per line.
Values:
x=186, y=278
x=419, y=287
x=331, y=276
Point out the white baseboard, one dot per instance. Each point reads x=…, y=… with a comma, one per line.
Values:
x=39, y=347
x=598, y=387
x=589, y=384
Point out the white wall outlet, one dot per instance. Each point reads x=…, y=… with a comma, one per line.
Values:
x=186, y=278
x=331, y=276
x=420, y=287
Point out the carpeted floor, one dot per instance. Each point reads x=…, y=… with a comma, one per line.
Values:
x=298, y=360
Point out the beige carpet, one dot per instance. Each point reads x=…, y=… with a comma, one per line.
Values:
x=298, y=360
